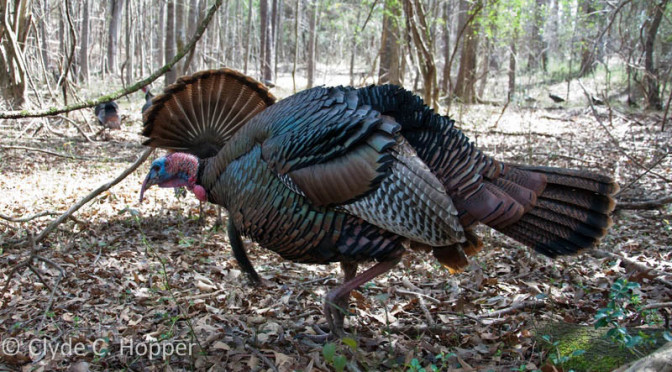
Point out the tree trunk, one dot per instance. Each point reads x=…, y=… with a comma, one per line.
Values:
x=130, y=45
x=43, y=34
x=536, y=57
x=655, y=13
x=446, y=47
x=266, y=38
x=277, y=33
x=312, y=43
x=416, y=22
x=297, y=23
x=249, y=35
x=113, y=35
x=466, y=75
x=160, y=40
x=84, y=44
x=353, y=46
x=389, y=69
x=169, y=48
x=13, y=34
x=587, y=7
x=512, y=69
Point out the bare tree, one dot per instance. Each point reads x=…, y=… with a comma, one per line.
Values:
x=655, y=13
x=416, y=22
x=169, y=48
x=390, y=52
x=297, y=23
x=312, y=43
x=13, y=35
x=116, y=7
x=84, y=44
x=466, y=75
x=266, y=38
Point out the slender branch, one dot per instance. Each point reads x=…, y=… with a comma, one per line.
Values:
x=613, y=139
x=645, y=204
x=29, y=218
x=657, y=305
x=122, y=92
x=634, y=264
x=514, y=308
x=44, y=151
x=92, y=195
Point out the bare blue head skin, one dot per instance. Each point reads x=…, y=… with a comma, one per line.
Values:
x=174, y=170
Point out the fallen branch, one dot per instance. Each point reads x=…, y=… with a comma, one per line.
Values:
x=16, y=114
x=498, y=132
x=514, y=308
x=659, y=305
x=75, y=157
x=29, y=263
x=93, y=194
x=638, y=266
x=29, y=218
x=613, y=139
x=645, y=204
x=74, y=124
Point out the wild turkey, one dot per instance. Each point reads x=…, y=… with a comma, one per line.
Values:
x=351, y=175
x=107, y=114
x=148, y=99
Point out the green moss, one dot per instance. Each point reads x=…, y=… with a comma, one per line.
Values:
x=600, y=353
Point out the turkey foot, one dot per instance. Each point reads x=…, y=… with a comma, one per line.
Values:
x=336, y=302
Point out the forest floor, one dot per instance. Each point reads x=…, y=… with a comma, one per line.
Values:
x=154, y=274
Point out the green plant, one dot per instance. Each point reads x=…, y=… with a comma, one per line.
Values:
x=337, y=361
x=623, y=303
x=556, y=357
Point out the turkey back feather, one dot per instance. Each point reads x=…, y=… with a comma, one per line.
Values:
x=199, y=113
x=556, y=211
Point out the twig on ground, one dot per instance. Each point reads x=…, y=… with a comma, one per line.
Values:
x=514, y=308
x=75, y=157
x=645, y=204
x=28, y=263
x=658, y=305
x=655, y=164
x=613, y=139
x=29, y=218
x=417, y=294
x=93, y=194
x=524, y=134
x=74, y=124
x=634, y=264
x=261, y=356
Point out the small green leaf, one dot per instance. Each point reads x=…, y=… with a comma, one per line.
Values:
x=328, y=351
x=577, y=353
x=339, y=363
x=352, y=343
x=667, y=336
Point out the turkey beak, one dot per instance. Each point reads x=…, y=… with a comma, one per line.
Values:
x=150, y=180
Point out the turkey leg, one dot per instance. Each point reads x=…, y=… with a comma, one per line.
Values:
x=239, y=253
x=339, y=296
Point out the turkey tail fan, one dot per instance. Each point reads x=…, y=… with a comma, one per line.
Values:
x=200, y=112
x=570, y=214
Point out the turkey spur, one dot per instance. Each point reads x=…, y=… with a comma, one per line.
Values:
x=352, y=175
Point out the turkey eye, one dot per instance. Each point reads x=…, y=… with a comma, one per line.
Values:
x=156, y=168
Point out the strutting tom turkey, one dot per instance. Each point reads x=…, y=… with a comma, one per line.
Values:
x=353, y=175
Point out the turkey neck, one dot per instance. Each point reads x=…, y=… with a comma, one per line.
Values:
x=240, y=144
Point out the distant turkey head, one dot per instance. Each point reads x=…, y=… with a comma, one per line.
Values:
x=175, y=170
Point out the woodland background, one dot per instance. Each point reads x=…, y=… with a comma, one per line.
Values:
x=572, y=83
